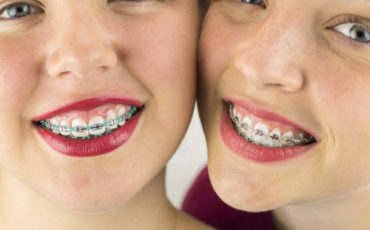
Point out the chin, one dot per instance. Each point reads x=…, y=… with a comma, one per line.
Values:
x=92, y=203
x=240, y=192
x=90, y=195
x=245, y=201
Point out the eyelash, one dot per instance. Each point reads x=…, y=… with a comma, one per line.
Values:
x=351, y=19
x=263, y=4
x=34, y=9
x=242, y=4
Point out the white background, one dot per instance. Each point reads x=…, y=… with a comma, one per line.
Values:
x=187, y=162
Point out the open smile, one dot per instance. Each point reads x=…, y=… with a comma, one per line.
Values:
x=266, y=132
x=260, y=135
x=90, y=127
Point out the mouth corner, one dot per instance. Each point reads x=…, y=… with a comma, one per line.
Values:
x=265, y=129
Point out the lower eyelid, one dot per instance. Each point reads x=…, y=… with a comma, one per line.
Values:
x=341, y=41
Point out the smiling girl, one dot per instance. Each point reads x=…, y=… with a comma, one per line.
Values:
x=88, y=90
x=284, y=99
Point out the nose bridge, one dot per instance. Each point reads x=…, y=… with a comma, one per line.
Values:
x=79, y=45
x=79, y=23
x=270, y=57
x=278, y=39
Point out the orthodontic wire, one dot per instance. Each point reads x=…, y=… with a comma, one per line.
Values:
x=289, y=140
x=93, y=127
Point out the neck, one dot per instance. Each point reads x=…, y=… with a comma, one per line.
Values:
x=21, y=208
x=341, y=213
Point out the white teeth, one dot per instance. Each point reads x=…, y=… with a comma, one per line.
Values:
x=121, y=110
x=111, y=116
x=54, y=121
x=64, y=128
x=98, y=120
x=274, y=138
x=79, y=123
x=97, y=125
x=260, y=133
x=288, y=137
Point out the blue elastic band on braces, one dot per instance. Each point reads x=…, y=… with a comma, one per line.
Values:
x=82, y=129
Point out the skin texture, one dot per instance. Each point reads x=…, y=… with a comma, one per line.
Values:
x=73, y=50
x=289, y=58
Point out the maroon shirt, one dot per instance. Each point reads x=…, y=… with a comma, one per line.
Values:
x=202, y=202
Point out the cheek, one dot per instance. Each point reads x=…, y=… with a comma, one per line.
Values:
x=162, y=55
x=345, y=99
x=221, y=43
x=215, y=48
x=344, y=104
x=17, y=70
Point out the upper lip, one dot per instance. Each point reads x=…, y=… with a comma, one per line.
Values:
x=262, y=113
x=88, y=104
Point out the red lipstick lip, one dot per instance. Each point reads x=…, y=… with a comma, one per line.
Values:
x=258, y=111
x=91, y=147
x=88, y=104
x=253, y=152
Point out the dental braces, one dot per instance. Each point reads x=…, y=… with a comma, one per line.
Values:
x=285, y=141
x=80, y=129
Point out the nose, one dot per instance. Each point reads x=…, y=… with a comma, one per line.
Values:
x=270, y=59
x=79, y=46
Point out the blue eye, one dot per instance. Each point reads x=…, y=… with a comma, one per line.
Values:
x=354, y=31
x=18, y=10
x=255, y=2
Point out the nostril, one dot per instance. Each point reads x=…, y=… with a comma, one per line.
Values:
x=277, y=85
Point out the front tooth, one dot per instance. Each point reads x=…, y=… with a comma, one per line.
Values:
x=288, y=137
x=54, y=121
x=64, y=128
x=260, y=133
x=111, y=116
x=97, y=121
x=274, y=138
x=121, y=110
x=79, y=123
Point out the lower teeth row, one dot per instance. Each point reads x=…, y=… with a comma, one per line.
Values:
x=276, y=141
x=81, y=129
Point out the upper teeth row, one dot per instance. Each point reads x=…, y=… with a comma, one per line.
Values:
x=260, y=135
x=97, y=125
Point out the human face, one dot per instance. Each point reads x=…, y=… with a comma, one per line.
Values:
x=80, y=59
x=287, y=66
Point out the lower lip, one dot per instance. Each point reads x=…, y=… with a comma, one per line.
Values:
x=92, y=147
x=254, y=152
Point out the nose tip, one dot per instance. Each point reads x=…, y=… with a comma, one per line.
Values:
x=80, y=60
